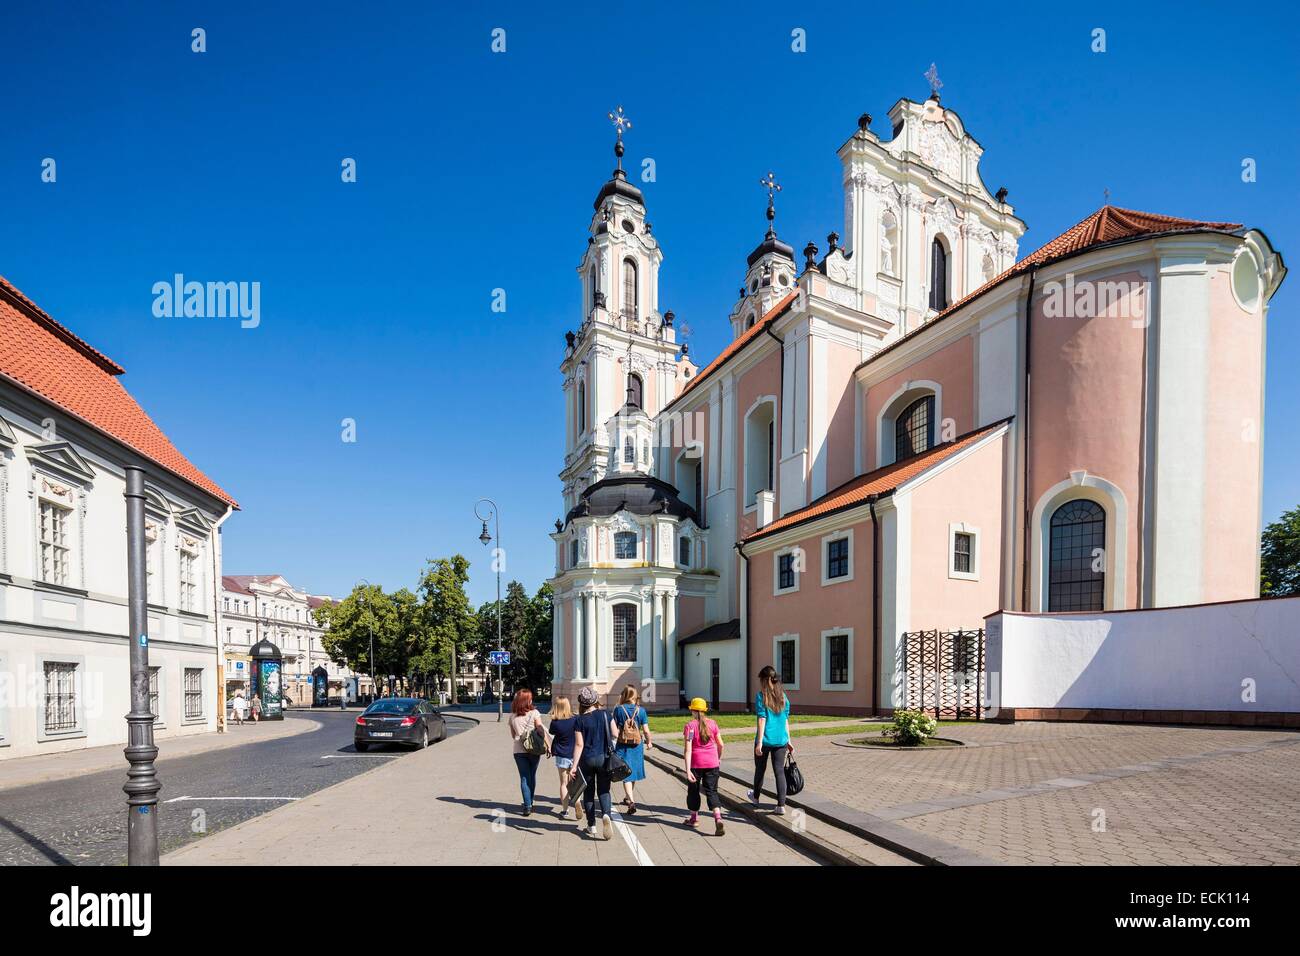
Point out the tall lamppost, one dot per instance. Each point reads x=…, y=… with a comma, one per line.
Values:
x=142, y=784
x=370, y=628
x=495, y=515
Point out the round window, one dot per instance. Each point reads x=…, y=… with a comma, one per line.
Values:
x=628, y=226
x=1245, y=281
x=784, y=279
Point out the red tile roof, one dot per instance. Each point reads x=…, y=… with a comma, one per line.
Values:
x=751, y=333
x=1107, y=224
x=879, y=482
x=230, y=582
x=44, y=357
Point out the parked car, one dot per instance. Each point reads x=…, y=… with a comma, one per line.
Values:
x=399, y=720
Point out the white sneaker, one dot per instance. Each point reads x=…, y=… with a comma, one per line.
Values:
x=752, y=797
x=779, y=811
x=591, y=832
x=607, y=825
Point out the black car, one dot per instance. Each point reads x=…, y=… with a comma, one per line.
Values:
x=399, y=720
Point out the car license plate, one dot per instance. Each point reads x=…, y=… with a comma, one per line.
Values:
x=381, y=733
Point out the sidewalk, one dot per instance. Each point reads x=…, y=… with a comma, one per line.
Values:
x=457, y=803
x=1060, y=793
x=42, y=768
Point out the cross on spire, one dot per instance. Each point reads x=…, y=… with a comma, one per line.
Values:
x=932, y=75
x=621, y=123
x=772, y=187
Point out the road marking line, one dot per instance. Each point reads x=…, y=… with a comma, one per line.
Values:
x=633, y=844
x=178, y=799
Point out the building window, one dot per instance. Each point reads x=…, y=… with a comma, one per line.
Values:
x=938, y=276
x=625, y=632
x=787, y=660
x=193, y=693
x=225, y=604
x=150, y=562
x=785, y=579
x=635, y=391
x=189, y=581
x=573, y=553
x=629, y=452
x=60, y=696
x=1076, y=576
x=631, y=303
x=961, y=552
x=245, y=607
x=914, y=429
x=582, y=407
x=837, y=558
x=760, y=451
x=837, y=660
x=155, y=696
x=625, y=545
x=592, y=287
x=55, y=555
x=684, y=551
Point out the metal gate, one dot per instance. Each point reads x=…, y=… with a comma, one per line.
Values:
x=944, y=673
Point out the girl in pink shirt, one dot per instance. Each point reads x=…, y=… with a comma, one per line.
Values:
x=703, y=756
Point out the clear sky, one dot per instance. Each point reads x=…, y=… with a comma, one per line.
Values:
x=476, y=171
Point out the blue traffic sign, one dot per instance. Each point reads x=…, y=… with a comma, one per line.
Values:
x=498, y=658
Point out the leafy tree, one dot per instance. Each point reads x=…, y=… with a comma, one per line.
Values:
x=447, y=623
x=525, y=633
x=350, y=625
x=1280, y=556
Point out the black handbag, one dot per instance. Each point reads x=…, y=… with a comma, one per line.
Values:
x=793, y=776
x=616, y=767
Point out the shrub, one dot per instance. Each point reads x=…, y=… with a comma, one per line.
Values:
x=910, y=728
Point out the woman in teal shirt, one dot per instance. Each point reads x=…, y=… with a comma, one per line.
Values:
x=773, y=736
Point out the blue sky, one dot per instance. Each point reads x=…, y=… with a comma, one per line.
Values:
x=477, y=170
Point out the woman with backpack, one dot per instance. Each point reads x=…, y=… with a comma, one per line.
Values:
x=595, y=734
x=633, y=737
x=529, y=742
x=772, y=738
x=703, y=759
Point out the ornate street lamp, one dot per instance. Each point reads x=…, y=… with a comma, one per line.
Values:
x=495, y=515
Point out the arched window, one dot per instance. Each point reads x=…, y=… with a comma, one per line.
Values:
x=635, y=390
x=914, y=428
x=582, y=407
x=592, y=287
x=631, y=303
x=629, y=452
x=938, y=276
x=573, y=553
x=1077, y=547
x=625, y=632
x=749, y=323
x=760, y=451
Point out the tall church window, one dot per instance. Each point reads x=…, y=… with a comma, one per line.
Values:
x=938, y=276
x=631, y=303
x=624, y=632
x=760, y=451
x=629, y=452
x=625, y=545
x=1078, y=541
x=582, y=407
x=914, y=429
x=635, y=389
x=592, y=287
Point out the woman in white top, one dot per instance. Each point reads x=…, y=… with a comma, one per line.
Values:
x=524, y=720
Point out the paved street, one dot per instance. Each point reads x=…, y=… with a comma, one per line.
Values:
x=458, y=802
x=82, y=820
x=1074, y=793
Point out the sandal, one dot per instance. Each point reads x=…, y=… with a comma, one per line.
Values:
x=631, y=809
x=692, y=822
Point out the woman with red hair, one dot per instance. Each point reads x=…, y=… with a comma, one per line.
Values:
x=529, y=739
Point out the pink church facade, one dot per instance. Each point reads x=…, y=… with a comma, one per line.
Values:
x=908, y=432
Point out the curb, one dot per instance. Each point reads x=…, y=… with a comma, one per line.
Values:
x=823, y=849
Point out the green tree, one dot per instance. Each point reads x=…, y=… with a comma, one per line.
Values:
x=350, y=624
x=447, y=625
x=1279, y=571
x=520, y=621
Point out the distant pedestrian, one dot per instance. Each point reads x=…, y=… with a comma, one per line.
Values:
x=343, y=697
x=703, y=759
x=563, y=730
x=772, y=736
x=257, y=708
x=239, y=707
x=633, y=737
x=595, y=742
x=524, y=719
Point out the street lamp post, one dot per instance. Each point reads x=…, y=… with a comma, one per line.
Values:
x=142, y=784
x=495, y=515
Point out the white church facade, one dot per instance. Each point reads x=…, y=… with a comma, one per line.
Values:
x=910, y=430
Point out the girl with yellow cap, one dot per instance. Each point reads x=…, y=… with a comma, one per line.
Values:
x=703, y=757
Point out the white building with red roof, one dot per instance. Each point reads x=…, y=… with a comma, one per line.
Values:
x=67, y=430
x=906, y=433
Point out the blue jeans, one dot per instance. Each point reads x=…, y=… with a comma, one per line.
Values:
x=527, y=764
x=597, y=792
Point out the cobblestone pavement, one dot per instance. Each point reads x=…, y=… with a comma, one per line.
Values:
x=458, y=804
x=1055, y=793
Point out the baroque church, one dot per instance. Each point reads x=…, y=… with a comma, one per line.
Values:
x=908, y=431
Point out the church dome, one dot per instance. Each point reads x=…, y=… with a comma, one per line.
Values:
x=638, y=494
x=618, y=186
